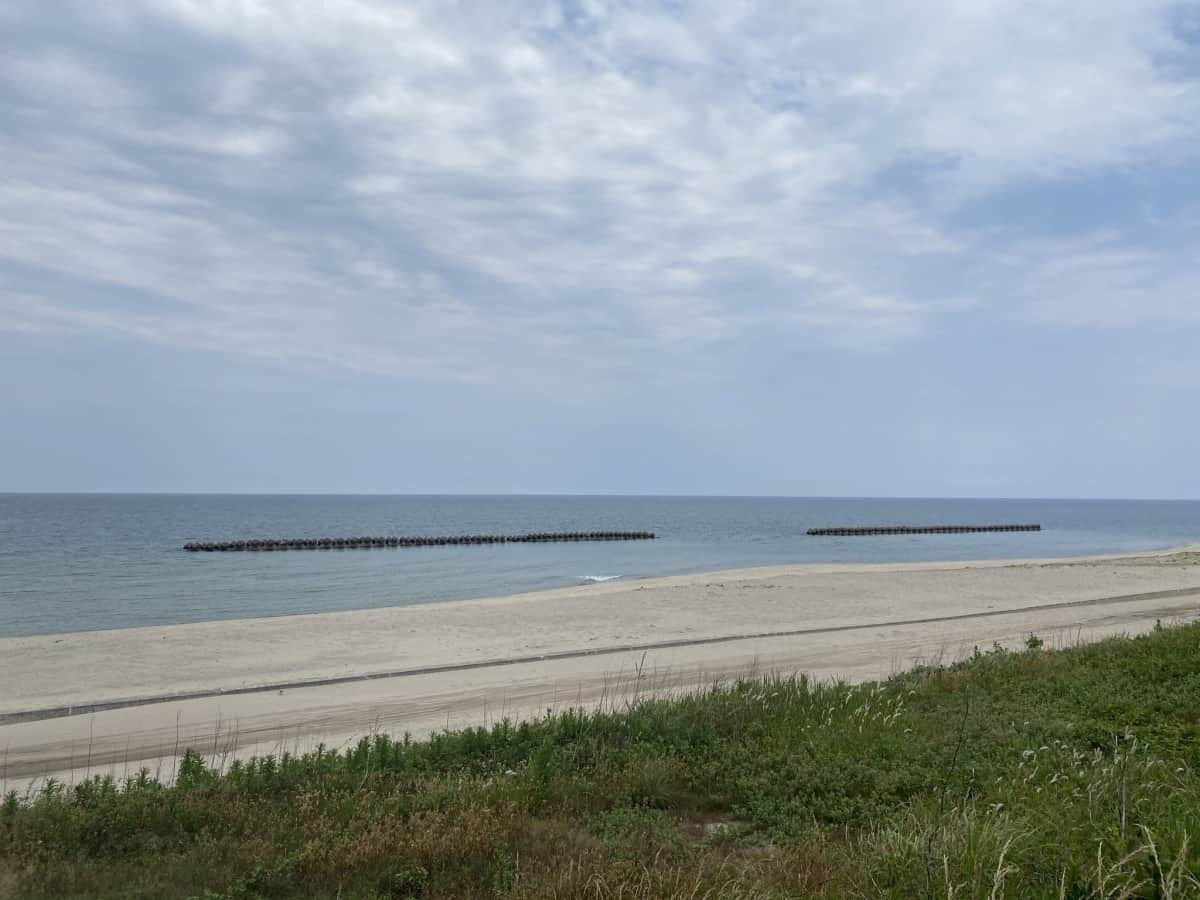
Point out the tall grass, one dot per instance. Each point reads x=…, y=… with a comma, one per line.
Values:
x=1066, y=773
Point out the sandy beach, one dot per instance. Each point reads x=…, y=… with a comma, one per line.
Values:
x=111, y=701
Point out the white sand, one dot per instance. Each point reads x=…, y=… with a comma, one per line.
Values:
x=608, y=641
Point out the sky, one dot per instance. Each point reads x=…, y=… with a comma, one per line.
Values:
x=586, y=246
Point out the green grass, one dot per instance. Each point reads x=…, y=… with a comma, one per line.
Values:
x=1072, y=773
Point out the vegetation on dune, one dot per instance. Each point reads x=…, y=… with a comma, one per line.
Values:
x=1071, y=773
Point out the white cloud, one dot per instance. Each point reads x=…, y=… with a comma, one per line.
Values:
x=1100, y=280
x=441, y=191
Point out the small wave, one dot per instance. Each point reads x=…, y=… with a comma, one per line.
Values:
x=595, y=579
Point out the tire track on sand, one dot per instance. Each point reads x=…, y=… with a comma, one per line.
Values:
x=55, y=712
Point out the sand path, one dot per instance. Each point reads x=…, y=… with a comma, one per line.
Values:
x=109, y=701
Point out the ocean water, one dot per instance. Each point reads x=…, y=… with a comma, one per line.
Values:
x=86, y=562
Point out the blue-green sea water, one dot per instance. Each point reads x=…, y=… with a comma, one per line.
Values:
x=86, y=562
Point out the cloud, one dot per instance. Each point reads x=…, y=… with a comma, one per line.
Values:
x=426, y=191
x=1102, y=280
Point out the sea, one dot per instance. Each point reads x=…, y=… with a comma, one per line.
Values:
x=87, y=562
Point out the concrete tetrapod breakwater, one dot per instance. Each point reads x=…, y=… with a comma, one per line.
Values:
x=371, y=543
x=916, y=529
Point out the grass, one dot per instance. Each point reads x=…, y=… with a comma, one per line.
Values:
x=1068, y=773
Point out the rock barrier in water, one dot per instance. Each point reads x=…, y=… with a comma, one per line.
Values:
x=916, y=529
x=371, y=543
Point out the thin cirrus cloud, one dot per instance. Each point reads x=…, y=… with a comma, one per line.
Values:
x=440, y=190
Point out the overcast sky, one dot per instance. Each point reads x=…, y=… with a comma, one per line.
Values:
x=729, y=247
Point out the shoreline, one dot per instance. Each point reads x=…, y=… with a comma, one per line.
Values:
x=239, y=687
x=617, y=582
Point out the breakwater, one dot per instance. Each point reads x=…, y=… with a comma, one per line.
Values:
x=372, y=543
x=916, y=529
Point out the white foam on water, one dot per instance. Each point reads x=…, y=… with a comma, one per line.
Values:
x=595, y=579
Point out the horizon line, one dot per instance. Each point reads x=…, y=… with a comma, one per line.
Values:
x=587, y=494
